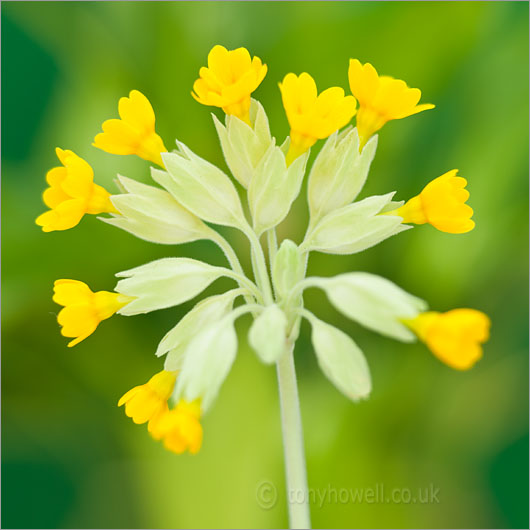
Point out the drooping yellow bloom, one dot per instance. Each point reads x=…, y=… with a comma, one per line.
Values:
x=83, y=309
x=145, y=402
x=228, y=81
x=441, y=204
x=454, y=337
x=134, y=133
x=313, y=116
x=72, y=194
x=179, y=428
x=381, y=99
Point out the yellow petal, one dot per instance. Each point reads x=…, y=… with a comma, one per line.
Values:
x=66, y=215
x=68, y=292
x=54, y=196
x=136, y=110
x=78, y=321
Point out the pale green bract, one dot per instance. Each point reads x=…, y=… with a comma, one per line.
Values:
x=154, y=215
x=244, y=146
x=267, y=334
x=202, y=345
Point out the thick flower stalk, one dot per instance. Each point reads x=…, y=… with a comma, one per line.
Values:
x=188, y=192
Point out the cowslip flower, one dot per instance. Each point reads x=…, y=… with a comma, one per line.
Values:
x=83, y=309
x=442, y=204
x=228, y=81
x=455, y=337
x=313, y=116
x=134, y=133
x=179, y=428
x=71, y=193
x=202, y=346
x=145, y=402
x=381, y=99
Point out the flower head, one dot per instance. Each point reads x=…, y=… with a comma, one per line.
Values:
x=381, y=99
x=145, y=402
x=134, y=133
x=441, y=204
x=72, y=194
x=313, y=116
x=454, y=337
x=228, y=81
x=179, y=428
x=83, y=309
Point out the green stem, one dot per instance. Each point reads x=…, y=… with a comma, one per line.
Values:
x=293, y=436
x=260, y=266
x=293, y=443
x=272, y=242
x=233, y=260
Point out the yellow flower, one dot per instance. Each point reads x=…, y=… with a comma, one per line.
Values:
x=381, y=99
x=145, y=402
x=179, y=428
x=72, y=194
x=311, y=116
x=84, y=309
x=454, y=337
x=134, y=133
x=228, y=81
x=441, y=204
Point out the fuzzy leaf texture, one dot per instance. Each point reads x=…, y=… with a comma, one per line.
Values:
x=154, y=215
x=204, y=314
x=274, y=187
x=338, y=173
x=287, y=269
x=207, y=361
x=355, y=227
x=374, y=302
x=164, y=283
x=244, y=146
x=341, y=360
x=267, y=334
x=201, y=187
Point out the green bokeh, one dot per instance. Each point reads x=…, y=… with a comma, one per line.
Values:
x=71, y=459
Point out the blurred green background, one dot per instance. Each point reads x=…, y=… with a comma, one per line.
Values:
x=72, y=459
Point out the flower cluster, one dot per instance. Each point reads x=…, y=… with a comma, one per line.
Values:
x=190, y=194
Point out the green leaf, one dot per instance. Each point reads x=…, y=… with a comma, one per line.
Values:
x=338, y=173
x=154, y=215
x=287, y=269
x=201, y=187
x=341, y=360
x=373, y=301
x=207, y=361
x=273, y=188
x=355, y=227
x=267, y=335
x=205, y=313
x=164, y=283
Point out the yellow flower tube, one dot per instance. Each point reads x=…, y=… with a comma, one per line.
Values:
x=442, y=204
x=83, y=309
